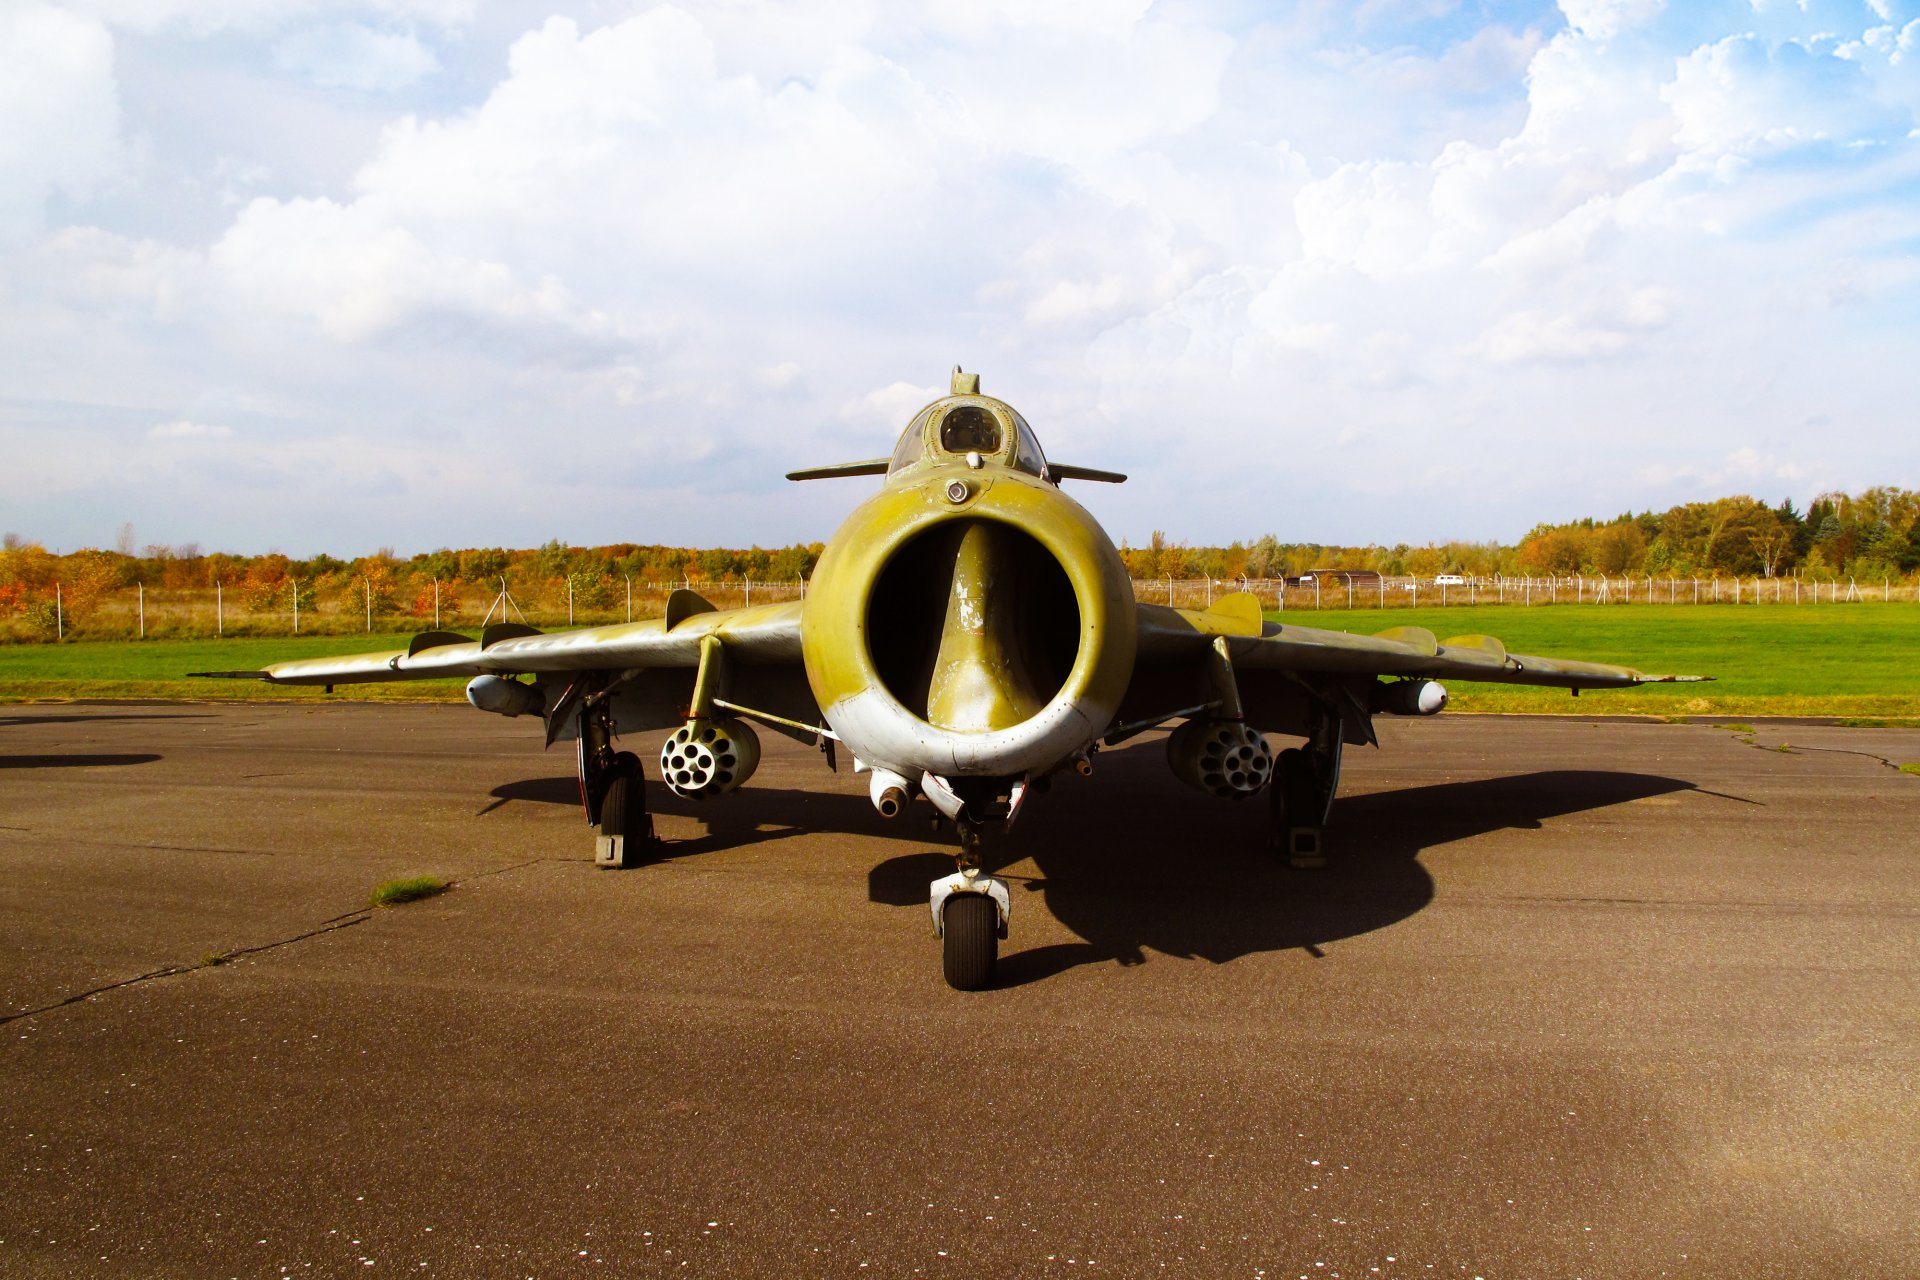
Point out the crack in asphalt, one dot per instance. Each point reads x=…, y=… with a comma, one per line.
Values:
x=346, y=920
x=226, y=957
x=1787, y=748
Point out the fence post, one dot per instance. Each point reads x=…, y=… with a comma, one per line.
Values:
x=569, y=599
x=1316, y=591
x=219, y=610
x=143, y=609
x=368, y=584
x=296, y=606
x=59, y=614
x=436, y=604
x=629, y=580
x=748, y=602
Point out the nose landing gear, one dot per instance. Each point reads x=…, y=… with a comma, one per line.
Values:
x=970, y=913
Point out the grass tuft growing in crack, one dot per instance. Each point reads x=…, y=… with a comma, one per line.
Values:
x=213, y=958
x=395, y=892
x=1911, y=768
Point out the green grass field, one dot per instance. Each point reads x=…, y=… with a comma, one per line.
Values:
x=157, y=669
x=1857, y=660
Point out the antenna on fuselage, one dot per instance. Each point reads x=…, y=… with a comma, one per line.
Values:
x=965, y=384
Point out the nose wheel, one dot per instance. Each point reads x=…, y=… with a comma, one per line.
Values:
x=970, y=914
x=970, y=944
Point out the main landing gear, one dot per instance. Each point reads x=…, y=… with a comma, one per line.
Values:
x=1301, y=794
x=613, y=789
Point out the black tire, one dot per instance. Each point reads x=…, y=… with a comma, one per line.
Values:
x=618, y=816
x=972, y=942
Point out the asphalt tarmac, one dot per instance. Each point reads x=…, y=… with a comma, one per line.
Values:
x=1578, y=998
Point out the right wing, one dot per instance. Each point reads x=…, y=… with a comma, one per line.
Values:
x=762, y=634
x=648, y=666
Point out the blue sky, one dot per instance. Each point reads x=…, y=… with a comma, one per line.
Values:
x=301, y=275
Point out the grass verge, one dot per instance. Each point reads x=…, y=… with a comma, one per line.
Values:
x=395, y=892
x=1852, y=661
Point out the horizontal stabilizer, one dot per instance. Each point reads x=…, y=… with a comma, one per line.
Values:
x=871, y=467
x=226, y=675
x=1067, y=471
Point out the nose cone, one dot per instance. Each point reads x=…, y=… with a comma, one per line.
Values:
x=981, y=680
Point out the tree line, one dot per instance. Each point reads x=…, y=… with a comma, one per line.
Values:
x=1868, y=536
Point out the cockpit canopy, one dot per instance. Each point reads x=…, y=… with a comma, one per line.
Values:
x=950, y=429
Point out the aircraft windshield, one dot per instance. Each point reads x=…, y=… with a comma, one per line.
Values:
x=970, y=428
x=1026, y=449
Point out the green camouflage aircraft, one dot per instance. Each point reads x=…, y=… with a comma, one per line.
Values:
x=970, y=631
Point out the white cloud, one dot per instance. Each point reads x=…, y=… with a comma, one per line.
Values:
x=348, y=55
x=59, y=112
x=204, y=17
x=1740, y=96
x=891, y=406
x=1605, y=19
x=641, y=241
x=182, y=429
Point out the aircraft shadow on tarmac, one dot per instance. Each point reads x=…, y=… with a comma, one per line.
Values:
x=21, y=722
x=1132, y=862
x=75, y=761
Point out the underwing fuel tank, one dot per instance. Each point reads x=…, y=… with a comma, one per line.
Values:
x=505, y=697
x=1410, y=697
x=970, y=619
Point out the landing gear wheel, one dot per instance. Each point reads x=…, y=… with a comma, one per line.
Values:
x=624, y=819
x=972, y=941
x=1297, y=805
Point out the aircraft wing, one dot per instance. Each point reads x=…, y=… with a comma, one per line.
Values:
x=764, y=634
x=1256, y=644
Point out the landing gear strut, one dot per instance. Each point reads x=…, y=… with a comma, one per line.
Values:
x=613, y=789
x=1304, y=779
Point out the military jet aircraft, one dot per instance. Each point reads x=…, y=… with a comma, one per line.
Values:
x=969, y=632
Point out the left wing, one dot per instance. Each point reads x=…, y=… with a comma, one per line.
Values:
x=1253, y=644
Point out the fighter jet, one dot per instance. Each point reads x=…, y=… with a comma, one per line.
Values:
x=969, y=633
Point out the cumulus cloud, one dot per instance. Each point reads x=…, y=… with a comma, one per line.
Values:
x=59, y=112
x=349, y=55
x=689, y=248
